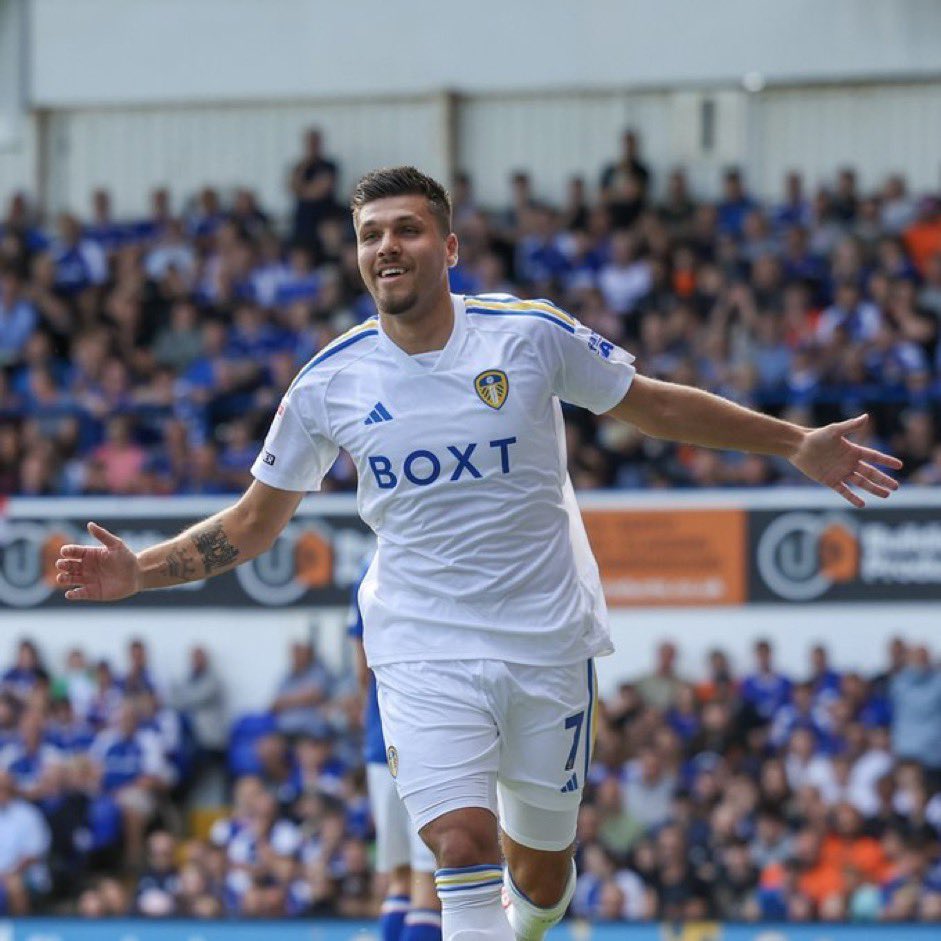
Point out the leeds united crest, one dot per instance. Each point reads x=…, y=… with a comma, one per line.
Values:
x=392, y=756
x=492, y=386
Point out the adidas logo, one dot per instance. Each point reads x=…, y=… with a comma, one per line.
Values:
x=378, y=414
x=570, y=785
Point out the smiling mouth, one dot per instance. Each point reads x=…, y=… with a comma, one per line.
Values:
x=391, y=274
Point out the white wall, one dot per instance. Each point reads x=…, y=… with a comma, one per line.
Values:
x=109, y=51
x=133, y=150
x=17, y=143
x=879, y=129
x=12, y=67
x=19, y=160
x=554, y=137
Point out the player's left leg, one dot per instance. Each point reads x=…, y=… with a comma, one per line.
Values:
x=546, y=726
x=538, y=883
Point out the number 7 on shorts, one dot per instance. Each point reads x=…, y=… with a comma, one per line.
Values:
x=574, y=722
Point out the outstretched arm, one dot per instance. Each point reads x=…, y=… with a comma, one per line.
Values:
x=682, y=413
x=238, y=533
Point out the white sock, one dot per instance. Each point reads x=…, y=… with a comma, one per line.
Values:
x=471, y=909
x=531, y=922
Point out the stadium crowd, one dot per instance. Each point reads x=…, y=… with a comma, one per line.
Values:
x=742, y=795
x=147, y=356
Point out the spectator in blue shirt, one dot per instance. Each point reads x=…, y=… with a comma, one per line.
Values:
x=80, y=262
x=106, y=698
x=795, y=209
x=20, y=223
x=765, y=690
x=735, y=204
x=23, y=676
x=825, y=680
x=206, y=216
x=238, y=455
x=539, y=258
x=67, y=730
x=18, y=317
x=103, y=230
x=316, y=766
x=29, y=757
x=850, y=318
x=277, y=768
x=252, y=337
x=135, y=771
x=172, y=250
x=299, y=281
x=798, y=714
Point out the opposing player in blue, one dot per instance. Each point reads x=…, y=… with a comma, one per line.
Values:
x=482, y=608
x=410, y=910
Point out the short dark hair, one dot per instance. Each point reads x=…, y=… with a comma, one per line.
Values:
x=403, y=181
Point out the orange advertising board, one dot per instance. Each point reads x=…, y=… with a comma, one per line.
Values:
x=670, y=557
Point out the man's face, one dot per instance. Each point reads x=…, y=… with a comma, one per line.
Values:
x=301, y=657
x=160, y=849
x=818, y=659
x=667, y=657
x=69, y=230
x=846, y=297
x=763, y=656
x=138, y=656
x=403, y=255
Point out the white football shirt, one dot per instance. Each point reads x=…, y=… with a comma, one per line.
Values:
x=482, y=553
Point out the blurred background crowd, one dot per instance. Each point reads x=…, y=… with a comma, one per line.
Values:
x=147, y=355
x=732, y=790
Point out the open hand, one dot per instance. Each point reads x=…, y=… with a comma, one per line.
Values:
x=827, y=456
x=107, y=572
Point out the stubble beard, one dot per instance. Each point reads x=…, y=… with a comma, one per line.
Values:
x=394, y=307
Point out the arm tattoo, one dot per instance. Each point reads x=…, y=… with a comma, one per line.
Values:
x=181, y=565
x=214, y=546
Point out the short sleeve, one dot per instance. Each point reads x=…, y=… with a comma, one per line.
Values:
x=590, y=371
x=292, y=457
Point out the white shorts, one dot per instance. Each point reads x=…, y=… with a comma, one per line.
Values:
x=456, y=730
x=397, y=841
